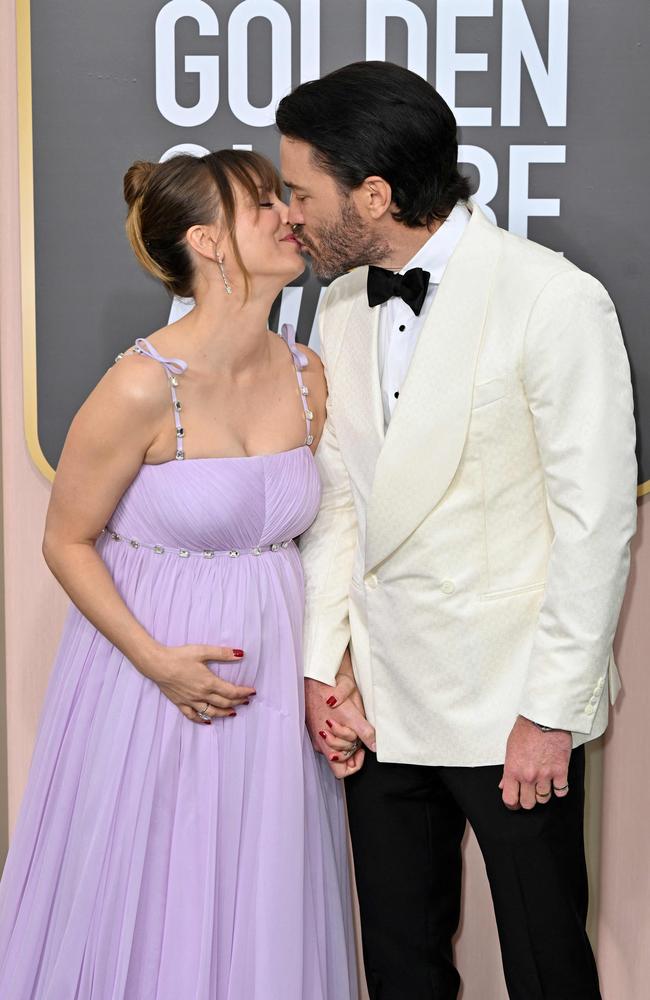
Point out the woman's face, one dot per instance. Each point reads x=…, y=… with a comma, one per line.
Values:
x=266, y=242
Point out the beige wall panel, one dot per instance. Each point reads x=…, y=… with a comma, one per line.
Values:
x=624, y=916
x=34, y=603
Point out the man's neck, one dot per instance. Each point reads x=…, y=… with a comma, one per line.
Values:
x=405, y=242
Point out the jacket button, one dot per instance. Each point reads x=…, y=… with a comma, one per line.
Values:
x=372, y=581
x=447, y=587
x=590, y=710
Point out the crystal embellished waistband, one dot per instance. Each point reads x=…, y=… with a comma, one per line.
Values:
x=162, y=550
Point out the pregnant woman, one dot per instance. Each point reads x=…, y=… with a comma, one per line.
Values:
x=179, y=839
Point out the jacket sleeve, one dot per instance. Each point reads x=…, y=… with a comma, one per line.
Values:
x=327, y=550
x=577, y=380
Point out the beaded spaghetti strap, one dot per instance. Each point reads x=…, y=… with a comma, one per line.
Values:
x=173, y=367
x=300, y=361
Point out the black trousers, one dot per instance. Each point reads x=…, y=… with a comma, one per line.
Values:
x=407, y=823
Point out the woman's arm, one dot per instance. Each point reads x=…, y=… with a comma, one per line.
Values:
x=105, y=447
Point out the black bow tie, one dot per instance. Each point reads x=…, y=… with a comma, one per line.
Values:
x=412, y=287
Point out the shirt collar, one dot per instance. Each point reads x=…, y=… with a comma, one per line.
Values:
x=434, y=255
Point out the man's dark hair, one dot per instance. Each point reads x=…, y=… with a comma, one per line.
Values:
x=376, y=118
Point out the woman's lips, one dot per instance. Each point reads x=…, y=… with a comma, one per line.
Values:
x=290, y=238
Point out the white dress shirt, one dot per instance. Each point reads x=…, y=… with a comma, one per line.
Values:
x=399, y=327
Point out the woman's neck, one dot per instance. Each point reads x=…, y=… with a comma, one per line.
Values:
x=227, y=334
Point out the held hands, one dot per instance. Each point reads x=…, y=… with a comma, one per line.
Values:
x=182, y=674
x=536, y=767
x=337, y=722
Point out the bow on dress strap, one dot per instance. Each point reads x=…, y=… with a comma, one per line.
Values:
x=173, y=365
x=288, y=334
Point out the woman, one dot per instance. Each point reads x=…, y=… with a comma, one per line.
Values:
x=179, y=839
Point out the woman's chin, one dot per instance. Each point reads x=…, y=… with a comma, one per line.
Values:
x=299, y=267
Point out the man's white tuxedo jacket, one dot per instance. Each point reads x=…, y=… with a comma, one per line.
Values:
x=475, y=556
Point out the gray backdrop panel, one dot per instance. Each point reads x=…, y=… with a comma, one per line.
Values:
x=94, y=111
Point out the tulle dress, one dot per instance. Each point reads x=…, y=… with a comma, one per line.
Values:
x=157, y=859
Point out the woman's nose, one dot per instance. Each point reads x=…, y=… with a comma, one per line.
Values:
x=283, y=212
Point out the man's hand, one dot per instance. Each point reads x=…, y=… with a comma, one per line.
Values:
x=336, y=719
x=536, y=767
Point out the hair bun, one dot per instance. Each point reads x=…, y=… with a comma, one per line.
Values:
x=136, y=179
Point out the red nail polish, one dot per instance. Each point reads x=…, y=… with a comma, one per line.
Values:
x=231, y=714
x=322, y=734
x=331, y=701
x=330, y=724
x=247, y=703
x=334, y=757
x=238, y=652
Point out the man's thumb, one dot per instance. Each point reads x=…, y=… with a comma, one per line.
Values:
x=366, y=732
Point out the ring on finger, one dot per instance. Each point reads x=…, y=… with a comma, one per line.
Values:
x=542, y=795
x=558, y=788
x=353, y=748
x=202, y=714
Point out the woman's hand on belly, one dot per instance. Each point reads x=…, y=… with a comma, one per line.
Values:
x=183, y=676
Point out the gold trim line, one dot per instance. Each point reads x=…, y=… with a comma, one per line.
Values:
x=27, y=248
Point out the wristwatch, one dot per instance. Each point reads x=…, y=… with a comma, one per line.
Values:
x=544, y=729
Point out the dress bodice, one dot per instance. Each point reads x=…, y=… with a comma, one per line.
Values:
x=220, y=504
x=231, y=505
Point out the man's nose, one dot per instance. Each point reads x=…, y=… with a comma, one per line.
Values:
x=294, y=214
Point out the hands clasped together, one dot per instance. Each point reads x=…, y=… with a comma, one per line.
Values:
x=337, y=722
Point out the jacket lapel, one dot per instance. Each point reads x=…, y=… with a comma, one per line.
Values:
x=356, y=401
x=426, y=436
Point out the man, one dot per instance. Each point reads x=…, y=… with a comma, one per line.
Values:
x=472, y=549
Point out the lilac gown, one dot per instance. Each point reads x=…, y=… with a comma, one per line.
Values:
x=158, y=859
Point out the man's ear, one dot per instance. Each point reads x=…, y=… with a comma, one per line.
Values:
x=374, y=197
x=201, y=240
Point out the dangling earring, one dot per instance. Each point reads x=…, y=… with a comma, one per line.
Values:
x=223, y=274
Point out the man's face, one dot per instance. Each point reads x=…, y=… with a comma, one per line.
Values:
x=326, y=220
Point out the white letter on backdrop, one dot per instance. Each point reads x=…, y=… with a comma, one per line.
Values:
x=309, y=40
x=520, y=206
x=377, y=13
x=207, y=67
x=449, y=61
x=238, y=62
x=518, y=42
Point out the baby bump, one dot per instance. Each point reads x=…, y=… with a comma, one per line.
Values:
x=253, y=603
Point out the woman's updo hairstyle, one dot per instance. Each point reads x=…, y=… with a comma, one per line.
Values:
x=166, y=199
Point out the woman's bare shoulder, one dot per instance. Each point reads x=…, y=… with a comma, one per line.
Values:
x=134, y=387
x=314, y=363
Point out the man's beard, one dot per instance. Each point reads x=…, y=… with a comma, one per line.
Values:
x=343, y=245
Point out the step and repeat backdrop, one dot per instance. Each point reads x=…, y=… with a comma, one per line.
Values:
x=550, y=97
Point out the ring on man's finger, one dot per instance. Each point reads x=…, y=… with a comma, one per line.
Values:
x=563, y=788
x=542, y=795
